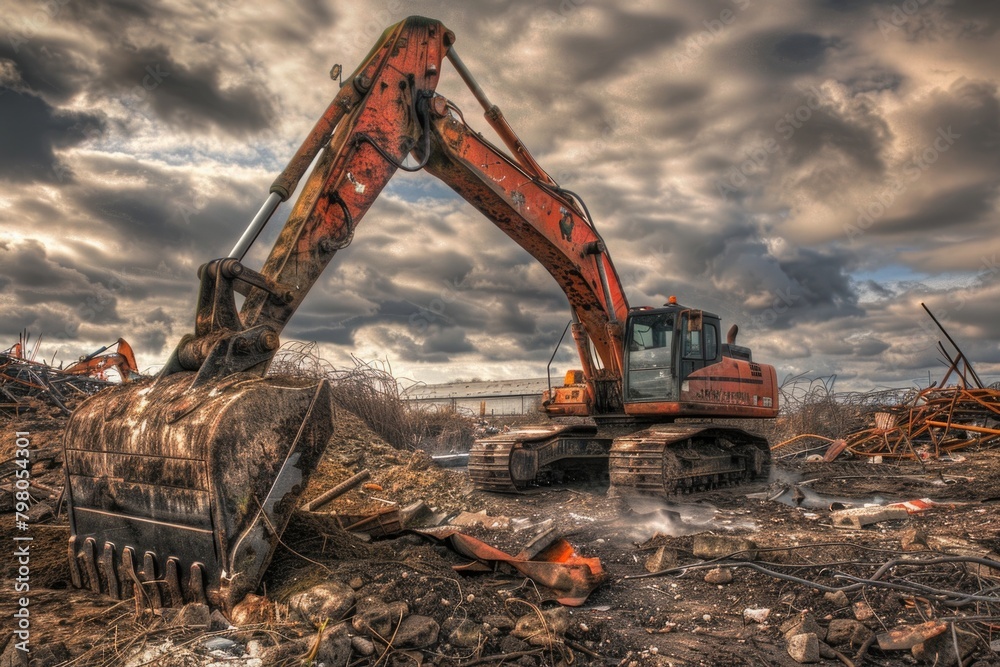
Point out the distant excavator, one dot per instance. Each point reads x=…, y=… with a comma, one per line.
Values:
x=97, y=363
x=180, y=488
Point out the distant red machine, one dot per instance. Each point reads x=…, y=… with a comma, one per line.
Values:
x=97, y=364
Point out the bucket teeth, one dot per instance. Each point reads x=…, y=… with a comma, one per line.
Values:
x=110, y=569
x=197, y=499
x=117, y=577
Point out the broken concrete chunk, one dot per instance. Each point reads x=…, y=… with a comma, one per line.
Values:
x=335, y=646
x=709, y=546
x=804, y=623
x=416, y=632
x=330, y=600
x=377, y=618
x=846, y=632
x=862, y=611
x=859, y=517
x=719, y=576
x=757, y=615
x=913, y=539
x=839, y=598
x=804, y=648
x=661, y=559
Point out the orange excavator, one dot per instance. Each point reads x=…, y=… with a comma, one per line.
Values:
x=180, y=487
x=97, y=363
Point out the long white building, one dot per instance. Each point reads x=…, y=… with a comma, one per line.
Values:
x=489, y=398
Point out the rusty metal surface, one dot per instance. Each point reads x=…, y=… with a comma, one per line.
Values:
x=208, y=476
x=569, y=576
x=24, y=381
x=680, y=458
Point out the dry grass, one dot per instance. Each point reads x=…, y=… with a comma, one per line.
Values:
x=370, y=391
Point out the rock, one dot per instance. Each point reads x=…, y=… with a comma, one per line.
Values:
x=838, y=598
x=862, y=611
x=709, y=546
x=501, y=622
x=466, y=634
x=416, y=632
x=335, y=646
x=913, y=539
x=859, y=517
x=330, y=600
x=356, y=582
x=531, y=628
x=223, y=645
x=802, y=624
x=804, y=648
x=254, y=610
x=661, y=559
x=193, y=615
x=217, y=621
x=846, y=632
x=377, y=618
x=826, y=652
x=718, y=576
x=362, y=646
x=758, y=615
x=940, y=650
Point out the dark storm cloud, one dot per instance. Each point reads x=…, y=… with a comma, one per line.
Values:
x=54, y=68
x=44, y=285
x=31, y=133
x=624, y=35
x=188, y=96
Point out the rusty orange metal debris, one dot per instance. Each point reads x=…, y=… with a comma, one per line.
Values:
x=559, y=568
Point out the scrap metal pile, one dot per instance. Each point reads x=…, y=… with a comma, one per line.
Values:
x=939, y=420
x=25, y=383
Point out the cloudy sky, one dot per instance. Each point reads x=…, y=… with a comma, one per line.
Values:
x=810, y=170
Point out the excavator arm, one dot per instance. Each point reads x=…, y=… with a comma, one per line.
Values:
x=179, y=488
x=97, y=364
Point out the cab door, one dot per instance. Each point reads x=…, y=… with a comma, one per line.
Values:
x=697, y=342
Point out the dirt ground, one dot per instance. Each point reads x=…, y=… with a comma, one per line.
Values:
x=676, y=618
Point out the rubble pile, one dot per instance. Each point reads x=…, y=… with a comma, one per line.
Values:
x=712, y=580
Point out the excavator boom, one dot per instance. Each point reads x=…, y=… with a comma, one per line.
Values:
x=180, y=487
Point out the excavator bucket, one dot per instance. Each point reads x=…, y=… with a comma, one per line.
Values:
x=180, y=493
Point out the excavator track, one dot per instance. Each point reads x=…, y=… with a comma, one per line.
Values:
x=512, y=462
x=685, y=458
